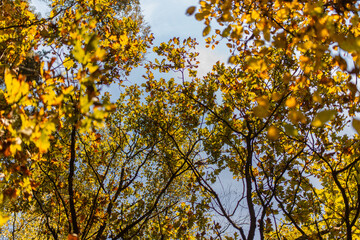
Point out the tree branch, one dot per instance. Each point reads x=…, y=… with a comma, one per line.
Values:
x=75, y=228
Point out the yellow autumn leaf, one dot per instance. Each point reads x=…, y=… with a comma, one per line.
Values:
x=296, y=117
x=273, y=133
x=276, y=96
x=206, y=30
x=16, y=87
x=226, y=17
x=263, y=101
x=68, y=63
x=256, y=64
x=51, y=99
x=304, y=59
x=283, y=13
x=3, y=219
x=317, y=98
x=78, y=52
x=255, y=15
x=68, y=90
x=92, y=67
x=291, y=102
x=190, y=11
x=236, y=31
x=42, y=142
x=356, y=125
x=324, y=33
x=124, y=39
x=232, y=60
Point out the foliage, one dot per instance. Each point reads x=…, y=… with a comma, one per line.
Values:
x=68, y=164
x=276, y=118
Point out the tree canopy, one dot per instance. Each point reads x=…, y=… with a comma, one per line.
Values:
x=280, y=118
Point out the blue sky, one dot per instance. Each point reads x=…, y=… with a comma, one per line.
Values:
x=167, y=20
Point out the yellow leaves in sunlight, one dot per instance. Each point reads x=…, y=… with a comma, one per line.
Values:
x=68, y=63
x=307, y=45
x=52, y=98
x=283, y=13
x=316, y=97
x=16, y=87
x=91, y=52
x=322, y=117
x=304, y=59
x=273, y=133
x=232, y=60
x=123, y=39
x=256, y=64
x=263, y=101
x=262, y=110
x=291, y=102
x=324, y=33
x=255, y=15
x=41, y=135
x=78, y=52
x=3, y=219
x=276, y=96
x=237, y=31
x=296, y=117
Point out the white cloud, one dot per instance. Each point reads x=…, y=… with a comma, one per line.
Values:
x=167, y=20
x=209, y=57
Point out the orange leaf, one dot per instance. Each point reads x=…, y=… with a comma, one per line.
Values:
x=72, y=236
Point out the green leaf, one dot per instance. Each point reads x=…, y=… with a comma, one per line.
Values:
x=290, y=130
x=261, y=111
x=92, y=44
x=322, y=117
x=226, y=32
